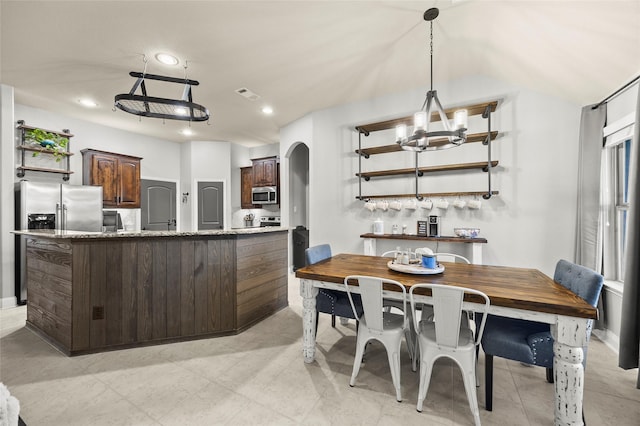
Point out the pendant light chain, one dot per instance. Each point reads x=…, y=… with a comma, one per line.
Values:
x=431, y=52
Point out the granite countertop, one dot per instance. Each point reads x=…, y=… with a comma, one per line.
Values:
x=49, y=233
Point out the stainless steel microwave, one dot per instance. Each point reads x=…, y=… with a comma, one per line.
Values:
x=264, y=195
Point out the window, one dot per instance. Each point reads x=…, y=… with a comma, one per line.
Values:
x=615, y=203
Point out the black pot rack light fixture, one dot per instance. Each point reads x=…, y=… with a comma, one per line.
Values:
x=172, y=109
x=455, y=133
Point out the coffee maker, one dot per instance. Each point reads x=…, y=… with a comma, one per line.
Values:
x=433, y=227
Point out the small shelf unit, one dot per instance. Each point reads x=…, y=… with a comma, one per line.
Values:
x=24, y=148
x=485, y=109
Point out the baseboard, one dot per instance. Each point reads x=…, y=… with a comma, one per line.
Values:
x=608, y=338
x=8, y=302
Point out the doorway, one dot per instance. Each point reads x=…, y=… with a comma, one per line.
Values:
x=158, y=205
x=298, y=202
x=210, y=205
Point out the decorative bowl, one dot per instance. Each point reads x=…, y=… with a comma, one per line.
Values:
x=466, y=232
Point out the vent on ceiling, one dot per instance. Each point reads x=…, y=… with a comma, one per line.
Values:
x=248, y=94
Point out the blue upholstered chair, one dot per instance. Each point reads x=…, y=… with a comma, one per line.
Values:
x=531, y=342
x=331, y=302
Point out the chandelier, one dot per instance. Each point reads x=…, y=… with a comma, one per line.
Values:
x=452, y=135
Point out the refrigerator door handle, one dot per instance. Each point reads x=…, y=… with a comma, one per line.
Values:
x=58, y=216
x=64, y=217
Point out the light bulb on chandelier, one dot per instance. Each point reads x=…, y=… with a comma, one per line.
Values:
x=422, y=139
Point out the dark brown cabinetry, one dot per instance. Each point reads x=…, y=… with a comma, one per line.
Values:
x=265, y=171
x=118, y=174
x=246, y=183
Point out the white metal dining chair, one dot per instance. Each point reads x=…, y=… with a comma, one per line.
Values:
x=391, y=303
x=385, y=327
x=450, y=336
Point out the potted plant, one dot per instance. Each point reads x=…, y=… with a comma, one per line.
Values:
x=52, y=142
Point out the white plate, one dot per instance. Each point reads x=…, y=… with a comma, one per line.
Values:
x=415, y=269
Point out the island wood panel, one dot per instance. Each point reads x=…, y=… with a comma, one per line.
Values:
x=49, y=277
x=114, y=326
x=186, y=300
x=130, y=291
x=145, y=284
x=220, y=298
x=159, y=290
x=202, y=304
x=227, y=286
x=151, y=289
x=97, y=294
x=81, y=297
x=128, y=273
x=173, y=288
x=261, y=277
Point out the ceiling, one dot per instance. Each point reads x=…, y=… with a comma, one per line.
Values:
x=301, y=56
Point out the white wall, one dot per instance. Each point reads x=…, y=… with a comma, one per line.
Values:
x=7, y=174
x=160, y=158
x=209, y=162
x=530, y=224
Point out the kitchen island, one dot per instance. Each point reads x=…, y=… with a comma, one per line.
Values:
x=95, y=291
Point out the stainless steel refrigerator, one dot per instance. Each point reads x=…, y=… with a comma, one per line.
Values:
x=43, y=205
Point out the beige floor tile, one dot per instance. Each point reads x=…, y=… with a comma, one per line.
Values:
x=258, y=378
x=213, y=404
x=258, y=415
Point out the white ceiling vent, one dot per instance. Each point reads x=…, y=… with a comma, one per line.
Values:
x=248, y=94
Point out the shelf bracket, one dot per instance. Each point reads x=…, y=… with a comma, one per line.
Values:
x=487, y=114
x=359, y=165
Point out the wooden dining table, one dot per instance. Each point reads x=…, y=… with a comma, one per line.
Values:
x=514, y=292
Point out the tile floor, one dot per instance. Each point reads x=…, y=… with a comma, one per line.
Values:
x=259, y=378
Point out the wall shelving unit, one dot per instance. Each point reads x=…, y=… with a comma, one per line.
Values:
x=25, y=148
x=485, y=109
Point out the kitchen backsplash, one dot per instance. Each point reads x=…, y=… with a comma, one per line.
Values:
x=131, y=218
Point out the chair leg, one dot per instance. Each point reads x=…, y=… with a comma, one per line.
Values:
x=357, y=361
x=394, y=365
x=550, y=375
x=333, y=321
x=317, y=317
x=469, y=378
x=425, y=379
x=488, y=379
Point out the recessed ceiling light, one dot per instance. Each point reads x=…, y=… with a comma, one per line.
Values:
x=167, y=59
x=187, y=132
x=88, y=103
x=267, y=110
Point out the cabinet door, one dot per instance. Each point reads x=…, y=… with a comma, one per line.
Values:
x=246, y=182
x=258, y=173
x=129, y=183
x=103, y=172
x=270, y=176
x=264, y=172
